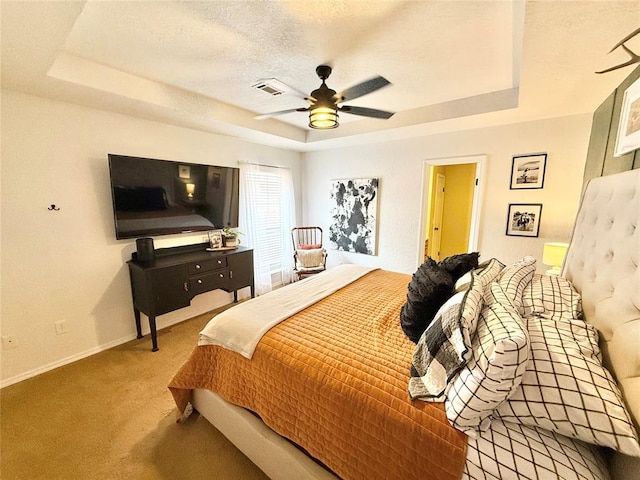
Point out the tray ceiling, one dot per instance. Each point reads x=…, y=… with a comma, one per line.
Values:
x=451, y=64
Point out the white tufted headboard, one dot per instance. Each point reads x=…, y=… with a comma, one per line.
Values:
x=603, y=263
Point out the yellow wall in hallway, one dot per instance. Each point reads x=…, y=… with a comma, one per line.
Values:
x=458, y=204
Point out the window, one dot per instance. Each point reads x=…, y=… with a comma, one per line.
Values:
x=267, y=215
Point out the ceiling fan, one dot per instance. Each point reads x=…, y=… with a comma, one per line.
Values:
x=323, y=109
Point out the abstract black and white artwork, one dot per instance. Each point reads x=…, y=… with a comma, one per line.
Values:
x=354, y=215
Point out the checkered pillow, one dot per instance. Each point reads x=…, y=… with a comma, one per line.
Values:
x=440, y=352
x=566, y=389
x=486, y=272
x=515, y=278
x=552, y=297
x=445, y=346
x=509, y=450
x=500, y=354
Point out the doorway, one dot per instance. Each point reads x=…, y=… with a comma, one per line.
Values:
x=450, y=214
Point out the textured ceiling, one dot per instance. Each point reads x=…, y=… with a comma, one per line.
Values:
x=452, y=64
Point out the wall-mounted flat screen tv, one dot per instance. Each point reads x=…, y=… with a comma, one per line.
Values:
x=162, y=197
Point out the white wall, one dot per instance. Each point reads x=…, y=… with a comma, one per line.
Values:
x=67, y=265
x=399, y=166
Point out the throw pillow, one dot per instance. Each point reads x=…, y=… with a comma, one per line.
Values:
x=458, y=265
x=565, y=388
x=486, y=273
x=500, y=351
x=445, y=346
x=313, y=258
x=551, y=296
x=430, y=287
x=515, y=277
x=309, y=246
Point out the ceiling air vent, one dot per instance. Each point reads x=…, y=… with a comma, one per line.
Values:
x=272, y=86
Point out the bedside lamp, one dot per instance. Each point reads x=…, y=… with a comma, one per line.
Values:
x=553, y=256
x=191, y=188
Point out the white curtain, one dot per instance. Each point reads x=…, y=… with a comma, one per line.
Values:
x=288, y=209
x=267, y=215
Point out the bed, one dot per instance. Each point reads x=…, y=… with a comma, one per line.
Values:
x=321, y=391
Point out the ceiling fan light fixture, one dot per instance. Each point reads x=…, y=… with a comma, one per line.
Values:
x=323, y=117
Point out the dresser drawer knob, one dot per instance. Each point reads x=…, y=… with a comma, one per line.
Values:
x=221, y=275
x=198, y=267
x=199, y=281
x=219, y=262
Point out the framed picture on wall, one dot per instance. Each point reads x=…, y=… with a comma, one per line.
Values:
x=628, y=138
x=184, y=171
x=527, y=171
x=523, y=219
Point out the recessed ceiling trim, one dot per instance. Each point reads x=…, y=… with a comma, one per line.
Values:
x=80, y=71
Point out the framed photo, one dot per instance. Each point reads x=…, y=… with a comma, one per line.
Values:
x=184, y=171
x=215, y=239
x=523, y=219
x=215, y=180
x=527, y=171
x=629, y=127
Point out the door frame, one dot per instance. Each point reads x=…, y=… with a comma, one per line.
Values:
x=474, y=229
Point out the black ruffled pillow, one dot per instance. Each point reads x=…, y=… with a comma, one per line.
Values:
x=458, y=265
x=430, y=287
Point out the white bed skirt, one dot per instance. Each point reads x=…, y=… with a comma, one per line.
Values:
x=278, y=458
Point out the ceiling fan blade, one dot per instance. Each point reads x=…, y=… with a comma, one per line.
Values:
x=281, y=112
x=363, y=88
x=366, y=112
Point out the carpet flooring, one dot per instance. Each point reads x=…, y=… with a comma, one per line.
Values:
x=111, y=416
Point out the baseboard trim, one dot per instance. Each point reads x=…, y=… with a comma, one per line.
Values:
x=65, y=361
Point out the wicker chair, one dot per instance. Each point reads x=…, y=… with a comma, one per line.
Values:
x=309, y=256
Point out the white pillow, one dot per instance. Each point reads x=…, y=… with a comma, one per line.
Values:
x=310, y=258
x=500, y=353
x=514, y=278
x=486, y=272
x=551, y=296
x=565, y=388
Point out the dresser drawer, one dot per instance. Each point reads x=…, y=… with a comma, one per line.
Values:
x=207, y=265
x=209, y=281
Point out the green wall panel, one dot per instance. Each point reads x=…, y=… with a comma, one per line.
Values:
x=604, y=130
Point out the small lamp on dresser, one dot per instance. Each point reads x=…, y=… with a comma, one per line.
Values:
x=553, y=256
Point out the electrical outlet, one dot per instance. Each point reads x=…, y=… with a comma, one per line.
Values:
x=61, y=327
x=9, y=342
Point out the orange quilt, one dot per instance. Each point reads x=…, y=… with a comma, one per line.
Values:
x=333, y=379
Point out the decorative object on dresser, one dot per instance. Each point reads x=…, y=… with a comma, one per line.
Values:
x=527, y=171
x=215, y=239
x=553, y=256
x=231, y=237
x=170, y=279
x=523, y=219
